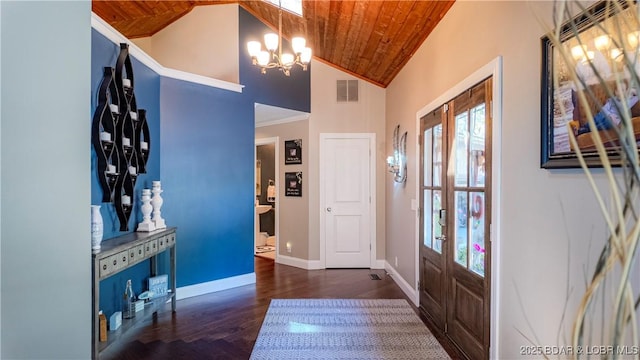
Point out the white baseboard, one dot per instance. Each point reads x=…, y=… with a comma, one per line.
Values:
x=404, y=285
x=299, y=263
x=216, y=285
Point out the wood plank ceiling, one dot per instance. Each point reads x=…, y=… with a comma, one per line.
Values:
x=372, y=40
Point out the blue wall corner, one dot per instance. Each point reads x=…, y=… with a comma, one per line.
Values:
x=272, y=88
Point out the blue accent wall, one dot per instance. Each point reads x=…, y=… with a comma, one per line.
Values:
x=272, y=88
x=207, y=174
x=147, y=90
x=202, y=149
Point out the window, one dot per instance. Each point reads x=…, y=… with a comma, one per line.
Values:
x=294, y=6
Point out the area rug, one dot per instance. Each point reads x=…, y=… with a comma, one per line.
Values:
x=344, y=329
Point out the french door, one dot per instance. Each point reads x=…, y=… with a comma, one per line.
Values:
x=455, y=250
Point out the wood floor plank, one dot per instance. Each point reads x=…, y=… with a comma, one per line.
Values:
x=225, y=324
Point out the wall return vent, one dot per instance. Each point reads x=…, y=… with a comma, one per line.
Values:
x=347, y=90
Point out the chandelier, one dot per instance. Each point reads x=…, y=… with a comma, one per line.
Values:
x=273, y=58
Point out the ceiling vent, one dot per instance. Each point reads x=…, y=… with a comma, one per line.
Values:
x=347, y=90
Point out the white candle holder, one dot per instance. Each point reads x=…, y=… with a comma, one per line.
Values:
x=146, y=225
x=156, y=202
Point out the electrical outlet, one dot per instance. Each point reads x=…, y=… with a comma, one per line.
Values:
x=396, y=261
x=289, y=247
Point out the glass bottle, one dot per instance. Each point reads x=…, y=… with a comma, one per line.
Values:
x=128, y=302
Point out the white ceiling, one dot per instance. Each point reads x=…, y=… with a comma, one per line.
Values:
x=272, y=115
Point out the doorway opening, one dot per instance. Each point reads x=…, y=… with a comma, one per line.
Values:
x=266, y=200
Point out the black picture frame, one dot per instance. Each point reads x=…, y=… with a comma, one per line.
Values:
x=293, y=184
x=293, y=152
x=555, y=150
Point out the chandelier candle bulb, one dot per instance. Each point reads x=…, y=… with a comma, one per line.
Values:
x=126, y=83
x=298, y=44
x=114, y=108
x=305, y=57
x=126, y=141
x=105, y=136
x=133, y=170
x=144, y=145
x=134, y=115
x=271, y=41
x=126, y=200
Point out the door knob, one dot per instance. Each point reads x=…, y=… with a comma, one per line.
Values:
x=328, y=209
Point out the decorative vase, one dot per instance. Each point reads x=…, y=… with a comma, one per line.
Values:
x=146, y=208
x=156, y=202
x=96, y=227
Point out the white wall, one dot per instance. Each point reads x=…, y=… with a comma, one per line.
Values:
x=544, y=213
x=203, y=42
x=329, y=116
x=45, y=192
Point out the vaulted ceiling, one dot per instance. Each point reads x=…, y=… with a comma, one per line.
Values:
x=372, y=40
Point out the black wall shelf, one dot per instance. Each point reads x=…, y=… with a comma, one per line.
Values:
x=120, y=137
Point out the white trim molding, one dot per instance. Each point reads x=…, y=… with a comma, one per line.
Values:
x=116, y=37
x=283, y=121
x=215, y=285
x=492, y=69
x=276, y=206
x=299, y=263
x=402, y=283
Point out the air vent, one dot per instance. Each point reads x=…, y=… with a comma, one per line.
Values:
x=347, y=90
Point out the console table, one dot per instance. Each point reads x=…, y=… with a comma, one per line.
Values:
x=120, y=253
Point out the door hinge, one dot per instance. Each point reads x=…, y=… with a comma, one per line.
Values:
x=419, y=212
x=446, y=327
x=446, y=107
x=491, y=108
x=419, y=285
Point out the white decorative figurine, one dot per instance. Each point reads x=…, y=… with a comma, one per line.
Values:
x=156, y=201
x=146, y=208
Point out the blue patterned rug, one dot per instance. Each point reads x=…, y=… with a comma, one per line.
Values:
x=344, y=329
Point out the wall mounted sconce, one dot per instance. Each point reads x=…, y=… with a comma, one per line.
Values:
x=397, y=163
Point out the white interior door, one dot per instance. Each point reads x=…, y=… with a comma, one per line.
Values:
x=346, y=193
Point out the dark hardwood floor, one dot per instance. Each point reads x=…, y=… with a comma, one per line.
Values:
x=225, y=324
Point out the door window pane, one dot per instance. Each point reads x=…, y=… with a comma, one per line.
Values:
x=476, y=146
x=437, y=228
x=460, y=228
x=428, y=219
x=461, y=148
x=437, y=155
x=428, y=156
x=476, y=224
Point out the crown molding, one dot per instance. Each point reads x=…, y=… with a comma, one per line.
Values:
x=116, y=37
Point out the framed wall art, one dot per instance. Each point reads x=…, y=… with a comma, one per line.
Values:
x=293, y=152
x=293, y=184
x=596, y=55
